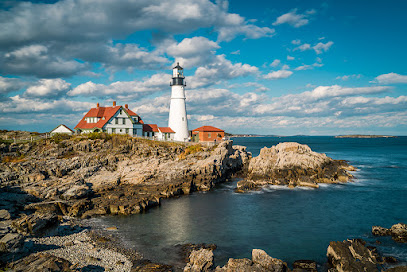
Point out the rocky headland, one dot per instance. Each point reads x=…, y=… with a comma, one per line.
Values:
x=48, y=186
x=293, y=164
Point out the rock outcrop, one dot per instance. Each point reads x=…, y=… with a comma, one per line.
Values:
x=354, y=255
x=260, y=262
x=398, y=232
x=200, y=260
x=293, y=164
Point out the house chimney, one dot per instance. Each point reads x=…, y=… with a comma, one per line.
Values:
x=126, y=106
x=114, y=103
x=97, y=105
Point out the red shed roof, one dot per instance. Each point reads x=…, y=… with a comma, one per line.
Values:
x=166, y=130
x=106, y=112
x=208, y=129
x=150, y=127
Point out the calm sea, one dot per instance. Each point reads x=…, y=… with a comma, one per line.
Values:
x=289, y=224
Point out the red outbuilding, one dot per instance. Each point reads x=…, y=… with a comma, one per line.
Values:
x=207, y=134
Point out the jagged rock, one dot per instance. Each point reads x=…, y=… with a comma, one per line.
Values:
x=41, y=262
x=186, y=249
x=351, y=256
x=269, y=263
x=34, y=224
x=398, y=232
x=11, y=242
x=380, y=231
x=305, y=265
x=261, y=262
x=4, y=215
x=200, y=260
x=294, y=164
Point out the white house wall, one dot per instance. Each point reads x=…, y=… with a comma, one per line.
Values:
x=61, y=129
x=121, y=128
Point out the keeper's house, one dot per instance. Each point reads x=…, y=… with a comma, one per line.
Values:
x=116, y=119
x=207, y=134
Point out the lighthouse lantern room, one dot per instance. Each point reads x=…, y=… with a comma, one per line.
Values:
x=178, y=113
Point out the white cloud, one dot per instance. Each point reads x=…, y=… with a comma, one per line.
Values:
x=124, y=90
x=391, y=78
x=237, y=52
x=303, y=47
x=278, y=74
x=322, y=47
x=275, y=63
x=296, y=42
x=48, y=88
x=347, y=77
x=290, y=58
x=220, y=69
x=292, y=18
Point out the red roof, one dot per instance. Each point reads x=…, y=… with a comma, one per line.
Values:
x=106, y=112
x=150, y=127
x=166, y=130
x=208, y=129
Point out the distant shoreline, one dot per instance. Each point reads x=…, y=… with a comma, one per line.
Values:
x=365, y=136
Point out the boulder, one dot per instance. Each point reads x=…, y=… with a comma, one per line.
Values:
x=351, y=256
x=269, y=263
x=200, y=260
x=397, y=269
x=399, y=232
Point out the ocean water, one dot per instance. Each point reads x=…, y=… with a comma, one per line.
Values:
x=289, y=224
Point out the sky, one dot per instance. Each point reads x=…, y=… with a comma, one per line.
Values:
x=316, y=67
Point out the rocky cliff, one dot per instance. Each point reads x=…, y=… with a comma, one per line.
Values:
x=293, y=164
x=84, y=177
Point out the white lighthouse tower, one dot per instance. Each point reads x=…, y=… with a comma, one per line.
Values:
x=178, y=121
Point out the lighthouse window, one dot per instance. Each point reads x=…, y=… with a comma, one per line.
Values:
x=182, y=118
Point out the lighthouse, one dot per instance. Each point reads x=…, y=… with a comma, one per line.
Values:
x=178, y=121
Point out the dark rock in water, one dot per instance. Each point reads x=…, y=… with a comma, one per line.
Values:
x=305, y=265
x=351, y=256
x=398, y=232
x=245, y=186
x=41, y=262
x=380, y=231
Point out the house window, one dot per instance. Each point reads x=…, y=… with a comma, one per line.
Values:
x=116, y=120
x=127, y=131
x=209, y=134
x=121, y=111
x=120, y=130
x=113, y=130
x=136, y=119
x=124, y=121
x=134, y=131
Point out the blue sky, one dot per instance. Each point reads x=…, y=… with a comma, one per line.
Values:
x=264, y=67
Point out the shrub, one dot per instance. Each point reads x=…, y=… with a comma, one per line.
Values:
x=58, y=137
x=99, y=136
x=13, y=158
x=192, y=149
